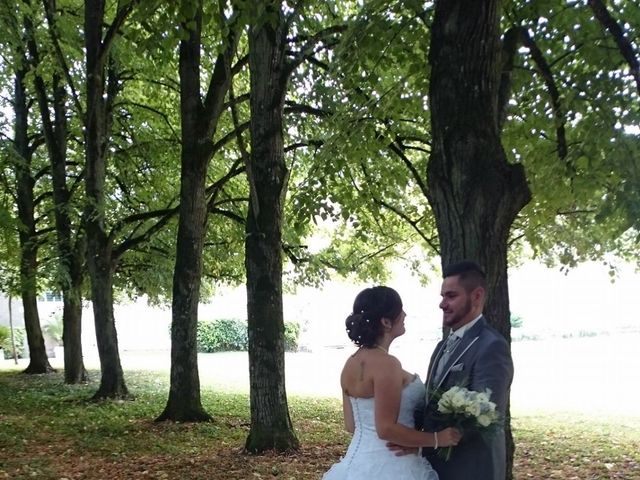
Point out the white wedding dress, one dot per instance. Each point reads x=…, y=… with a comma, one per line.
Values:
x=368, y=457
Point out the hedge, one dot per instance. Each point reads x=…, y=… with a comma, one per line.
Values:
x=230, y=334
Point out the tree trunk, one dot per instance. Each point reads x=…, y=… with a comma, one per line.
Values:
x=74, y=369
x=14, y=354
x=72, y=253
x=184, y=403
x=71, y=256
x=271, y=426
x=198, y=124
x=474, y=192
x=99, y=245
x=38, y=361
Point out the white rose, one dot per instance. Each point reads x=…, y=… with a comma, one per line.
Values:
x=485, y=396
x=459, y=399
x=484, y=420
x=474, y=409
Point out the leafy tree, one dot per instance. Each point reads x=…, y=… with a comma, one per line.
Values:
x=199, y=120
x=55, y=113
x=22, y=155
x=474, y=191
x=417, y=154
x=271, y=426
x=280, y=40
x=101, y=85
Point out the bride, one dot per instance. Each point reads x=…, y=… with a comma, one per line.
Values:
x=379, y=398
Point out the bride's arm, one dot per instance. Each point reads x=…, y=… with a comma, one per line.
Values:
x=387, y=391
x=349, y=424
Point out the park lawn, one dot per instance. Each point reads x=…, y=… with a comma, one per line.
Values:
x=49, y=430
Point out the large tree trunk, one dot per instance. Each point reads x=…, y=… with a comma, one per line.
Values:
x=72, y=252
x=74, y=369
x=99, y=245
x=184, y=403
x=474, y=192
x=71, y=255
x=198, y=122
x=271, y=426
x=38, y=361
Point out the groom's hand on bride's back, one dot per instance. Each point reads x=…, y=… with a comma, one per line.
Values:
x=449, y=437
x=400, y=450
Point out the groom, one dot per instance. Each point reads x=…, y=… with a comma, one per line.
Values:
x=477, y=357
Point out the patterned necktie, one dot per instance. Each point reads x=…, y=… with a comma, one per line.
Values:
x=449, y=347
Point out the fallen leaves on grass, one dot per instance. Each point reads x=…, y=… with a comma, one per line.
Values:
x=231, y=463
x=214, y=464
x=48, y=432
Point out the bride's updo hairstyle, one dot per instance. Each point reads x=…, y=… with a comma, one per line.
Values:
x=364, y=325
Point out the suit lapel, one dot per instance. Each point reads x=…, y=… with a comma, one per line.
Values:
x=467, y=341
x=463, y=347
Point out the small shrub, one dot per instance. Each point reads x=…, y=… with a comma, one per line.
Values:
x=516, y=321
x=291, y=336
x=54, y=328
x=230, y=335
x=222, y=335
x=5, y=334
x=5, y=343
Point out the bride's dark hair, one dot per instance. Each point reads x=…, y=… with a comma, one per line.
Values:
x=364, y=325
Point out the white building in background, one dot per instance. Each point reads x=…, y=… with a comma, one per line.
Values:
x=551, y=304
x=11, y=313
x=16, y=312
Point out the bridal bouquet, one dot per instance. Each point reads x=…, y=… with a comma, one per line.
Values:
x=466, y=409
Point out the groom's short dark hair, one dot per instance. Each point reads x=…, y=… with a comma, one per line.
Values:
x=470, y=274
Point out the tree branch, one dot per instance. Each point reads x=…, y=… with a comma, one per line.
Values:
x=293, y=107
x=226, y=213
x=213, y=190
x=308, y=143
x=395, y=148
x=545, y=71
x=624, y=45
x=121, y=15
x=49, y=13
x=512, y=39
x=162, y=115
x=164, y=215
x=307, y=49
x=414, y=223
x=220, y=78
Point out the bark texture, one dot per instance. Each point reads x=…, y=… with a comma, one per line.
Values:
x=271, y=426
x=474, y=192
x=184, y=402
x=99, y=245
x=199, y=122
x=38, y=361
x=71, y=252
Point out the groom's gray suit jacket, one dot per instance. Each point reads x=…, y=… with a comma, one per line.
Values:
x=481, y=360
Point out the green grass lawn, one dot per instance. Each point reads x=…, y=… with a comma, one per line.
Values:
x=49, y=430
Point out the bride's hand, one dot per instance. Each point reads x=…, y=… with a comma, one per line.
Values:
x=449, y=437
x=401, y=451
